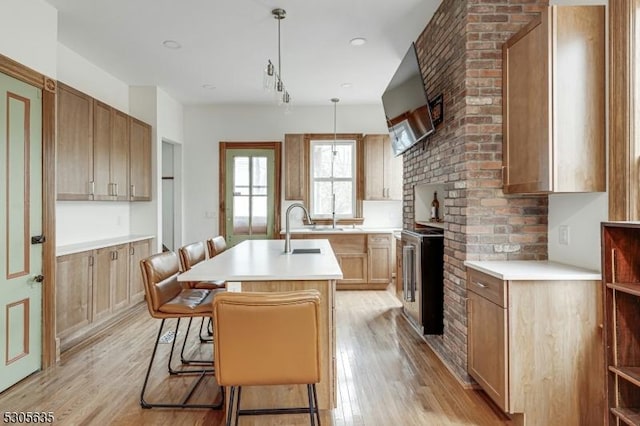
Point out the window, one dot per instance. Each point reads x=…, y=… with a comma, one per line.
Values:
x=332, y=178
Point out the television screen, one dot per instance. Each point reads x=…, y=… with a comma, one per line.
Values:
x=406, y=105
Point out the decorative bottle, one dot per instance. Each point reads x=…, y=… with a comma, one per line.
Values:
x=435, y=208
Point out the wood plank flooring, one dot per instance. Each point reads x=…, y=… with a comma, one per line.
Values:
x=386, y=376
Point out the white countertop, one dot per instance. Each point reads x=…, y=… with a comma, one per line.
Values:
x=265, y=260
x=521, y=270
x=92, y=245
x=342, y=230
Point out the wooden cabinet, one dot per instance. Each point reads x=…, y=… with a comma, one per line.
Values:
x=110, y=153
x=94, y=286
x=74, y=278
x=365, y=259
x=101, y=153
x=379, y=258
x=621, y=279
x=140, y=160
x=554, y=103
x=138, y=250
x=382, y=171
x=74, y=144
x=535, y=347
x=294, y=167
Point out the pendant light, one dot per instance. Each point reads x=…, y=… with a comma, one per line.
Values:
x=272, y=78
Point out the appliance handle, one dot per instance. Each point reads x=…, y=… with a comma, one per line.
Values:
x=408, y=273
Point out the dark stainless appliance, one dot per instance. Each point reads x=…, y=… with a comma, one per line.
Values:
x=422, y=278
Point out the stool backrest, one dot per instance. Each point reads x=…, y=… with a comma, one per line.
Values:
x=160, y=275
x=216, y=245
x=191, y=255
x=267, y=338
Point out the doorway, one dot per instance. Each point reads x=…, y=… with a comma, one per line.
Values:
x=249, y=191
x=171, y=195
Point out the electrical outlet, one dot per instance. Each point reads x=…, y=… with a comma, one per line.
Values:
x=563, y=235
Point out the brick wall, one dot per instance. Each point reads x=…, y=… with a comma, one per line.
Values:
x=460, y=54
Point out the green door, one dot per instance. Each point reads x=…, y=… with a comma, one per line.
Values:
x=249, y=194
x=20, y=218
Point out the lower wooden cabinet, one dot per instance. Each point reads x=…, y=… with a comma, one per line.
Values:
x=535, y=347
x=94, y=286
x=399, y=276
x=365, y=259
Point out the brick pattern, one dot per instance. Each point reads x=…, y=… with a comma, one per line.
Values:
x=460, y=54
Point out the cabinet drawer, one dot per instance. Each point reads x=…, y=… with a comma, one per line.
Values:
x=489, y=287
x=378, y=239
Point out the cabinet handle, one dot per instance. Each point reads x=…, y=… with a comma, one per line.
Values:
x=481, y=285
x=132, y=250
x=133, y=191
x=115, y=189
x=92, y=187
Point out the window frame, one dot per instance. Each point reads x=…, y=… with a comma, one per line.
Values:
x=358, y=180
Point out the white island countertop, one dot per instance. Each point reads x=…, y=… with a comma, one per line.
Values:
x=524, y=270
x=341, y=230
x=265, y=260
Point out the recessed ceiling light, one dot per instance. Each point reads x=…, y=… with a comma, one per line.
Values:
x=208, y=86
x=346, y=85
x=358, y=41
x=171, y=44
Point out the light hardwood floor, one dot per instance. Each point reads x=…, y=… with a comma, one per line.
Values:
x=386, y=376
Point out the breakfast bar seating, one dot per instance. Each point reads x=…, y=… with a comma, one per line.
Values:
x=262, y=266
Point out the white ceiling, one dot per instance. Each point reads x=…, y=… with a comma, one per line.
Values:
x=226, y=43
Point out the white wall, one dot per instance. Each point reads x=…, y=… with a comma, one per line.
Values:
x=81, y=221
x=29, y=34
x=205, y=126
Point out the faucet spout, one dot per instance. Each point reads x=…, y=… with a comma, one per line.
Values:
x=287, y=236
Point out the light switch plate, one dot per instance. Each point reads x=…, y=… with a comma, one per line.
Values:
x=563, y=235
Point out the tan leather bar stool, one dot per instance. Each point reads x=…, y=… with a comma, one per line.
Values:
x=216, y=245
x=191, y=255
x=166, y=298
x=268, y=339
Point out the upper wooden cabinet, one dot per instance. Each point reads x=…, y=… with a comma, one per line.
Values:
x=110, y=153
x=382, y=171
x=74, y=149
x=294, y=166
x=554, y=103
x=102, y=153
x=140, y=158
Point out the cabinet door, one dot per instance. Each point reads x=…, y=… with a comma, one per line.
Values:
x=527, y=109
x=101, y=150
x=120, y=276
x=487, y=347
x=139, y=250
x=74, y=144
x=383, y=171
x=102, y=305
x=399, y=269
x=294, y=167
x=74, y=279
x=379, y=258
x=140, y=160
x=396, y=166
x=354, y=268
x=119, y=156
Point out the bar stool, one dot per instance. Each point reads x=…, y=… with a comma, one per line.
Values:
x=268, y=339
x=166, y=298
x=216, y=245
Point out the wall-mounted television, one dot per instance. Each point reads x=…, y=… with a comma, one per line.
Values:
x=406, y=105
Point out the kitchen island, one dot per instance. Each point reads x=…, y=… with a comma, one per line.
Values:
x=262, y=265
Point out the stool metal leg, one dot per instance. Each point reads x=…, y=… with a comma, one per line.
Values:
x=232, y=395
x=311, y=407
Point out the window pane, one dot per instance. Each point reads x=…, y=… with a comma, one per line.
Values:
x=343, y=161
x=321, y=198
x=259, y=215
x=241, y=176
x=259, y=176
x=344, y=198
x=321, y=160
x=241, y=215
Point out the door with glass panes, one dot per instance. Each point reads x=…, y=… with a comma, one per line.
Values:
x=249, y=194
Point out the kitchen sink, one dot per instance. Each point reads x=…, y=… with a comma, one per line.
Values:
x=313, y=250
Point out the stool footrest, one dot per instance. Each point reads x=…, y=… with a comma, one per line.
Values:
x=266, y=411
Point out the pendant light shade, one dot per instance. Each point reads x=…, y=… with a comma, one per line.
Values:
x=272, y=80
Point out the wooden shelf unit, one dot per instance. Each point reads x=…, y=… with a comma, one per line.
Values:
x=621, y=276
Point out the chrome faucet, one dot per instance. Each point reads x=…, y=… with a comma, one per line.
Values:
x=287, y=236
